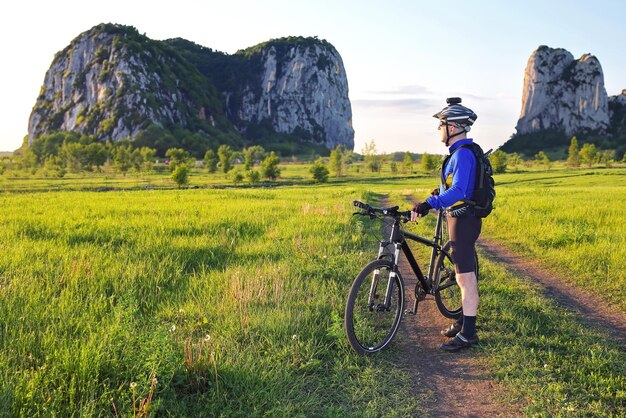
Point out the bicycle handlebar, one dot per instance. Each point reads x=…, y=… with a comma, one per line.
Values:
x=390, y=211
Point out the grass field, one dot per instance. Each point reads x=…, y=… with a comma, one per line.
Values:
x=230, y=301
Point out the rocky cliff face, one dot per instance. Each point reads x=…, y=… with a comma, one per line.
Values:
x=113, y=83
x=617, y=113
x=563, y=94
x=301, y=89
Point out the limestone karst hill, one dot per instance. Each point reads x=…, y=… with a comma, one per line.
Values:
x=113, y=83
x=562, y=97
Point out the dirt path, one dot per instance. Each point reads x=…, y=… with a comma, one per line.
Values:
x=593, y=311
x=454, y=383
x=457, y=384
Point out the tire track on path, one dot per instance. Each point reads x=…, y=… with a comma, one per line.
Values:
x=593, y=311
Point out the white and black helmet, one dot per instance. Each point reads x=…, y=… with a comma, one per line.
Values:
x=456, y=113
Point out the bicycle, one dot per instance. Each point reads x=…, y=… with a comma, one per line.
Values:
x=371, y=318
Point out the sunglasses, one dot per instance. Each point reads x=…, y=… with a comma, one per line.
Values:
x=449, y=124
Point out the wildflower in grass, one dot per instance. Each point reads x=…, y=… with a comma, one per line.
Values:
x=173, y=328
x=296, y=359
x=133, y=385
x=207, y=338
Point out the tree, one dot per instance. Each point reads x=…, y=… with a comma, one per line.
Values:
x=336, y=161
x=407, y=163
x=95, y=155
x=253, y=176
x=180, y=175
x=347, y=157
x=72, y=155
x=514, y=160
x=588, y=154
x=122, y=158
x=319, y=171
x=147, y=155
x=429, y=162
x=542, y=158
x=499, y=160
x=53, y=166
x=608, y=157
x=210, y=159
x=252, y=155
x=269, y=166
x=177, y=156
x=573, y=154
x=372, y=160
x=225, y=154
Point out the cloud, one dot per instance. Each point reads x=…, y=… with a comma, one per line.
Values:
x=409, y=90
x=412, y=98
x=407, y=104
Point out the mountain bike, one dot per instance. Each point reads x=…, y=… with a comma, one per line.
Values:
x=375, y=303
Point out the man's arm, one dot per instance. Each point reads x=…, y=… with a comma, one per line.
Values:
x=462, y=162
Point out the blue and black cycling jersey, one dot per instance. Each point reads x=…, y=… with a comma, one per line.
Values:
x=458, y=177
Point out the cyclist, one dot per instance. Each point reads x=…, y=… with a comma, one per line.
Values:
x=458, y=175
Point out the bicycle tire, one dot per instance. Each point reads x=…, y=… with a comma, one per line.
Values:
x=370, y=327
x=447, y=291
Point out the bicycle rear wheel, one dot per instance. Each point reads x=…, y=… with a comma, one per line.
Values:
x=447, y=291
x=370, y=324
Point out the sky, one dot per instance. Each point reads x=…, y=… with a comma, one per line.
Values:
x=402, y=58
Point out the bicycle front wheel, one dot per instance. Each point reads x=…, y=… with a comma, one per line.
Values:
x=372, y=314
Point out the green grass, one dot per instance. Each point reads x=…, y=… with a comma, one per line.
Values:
x=234, y=298
x=572, y=221
x=206, y=289
x=550, y=363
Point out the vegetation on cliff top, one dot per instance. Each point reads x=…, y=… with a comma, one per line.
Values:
x=203, y=75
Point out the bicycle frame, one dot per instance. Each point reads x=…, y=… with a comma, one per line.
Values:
x=398, y=237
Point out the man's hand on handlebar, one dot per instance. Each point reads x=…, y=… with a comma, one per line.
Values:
x=420, y=210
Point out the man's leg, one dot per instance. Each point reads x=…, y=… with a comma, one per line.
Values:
x=469, y=297
x=463, y=234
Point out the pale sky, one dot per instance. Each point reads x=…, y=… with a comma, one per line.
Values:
x=402, y=58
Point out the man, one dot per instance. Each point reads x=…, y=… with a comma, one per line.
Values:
x=458, y=181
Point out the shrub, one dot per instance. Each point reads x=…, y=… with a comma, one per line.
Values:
x=269, y=166
x=253, y=176
x=499, y=160
x=319, y=171
x=180, y=175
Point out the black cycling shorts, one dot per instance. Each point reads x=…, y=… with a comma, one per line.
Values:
x=463, y=232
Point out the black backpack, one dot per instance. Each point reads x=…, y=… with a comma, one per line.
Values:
x=485, y=186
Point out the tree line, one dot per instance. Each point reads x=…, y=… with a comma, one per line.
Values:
x=56, y=154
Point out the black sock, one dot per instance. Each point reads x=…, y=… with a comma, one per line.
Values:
x=459, y=321
x=469, y=326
